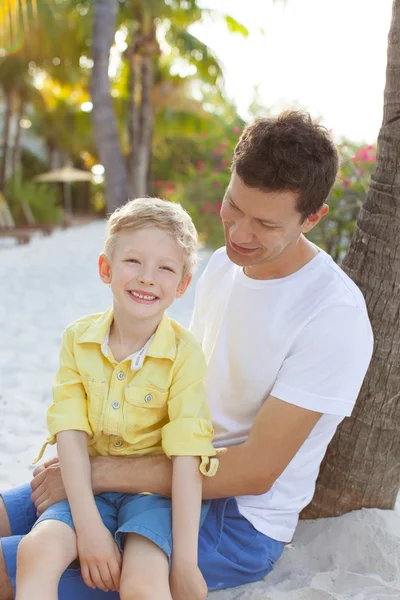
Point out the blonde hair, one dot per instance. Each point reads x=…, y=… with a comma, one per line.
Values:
x=154, y=212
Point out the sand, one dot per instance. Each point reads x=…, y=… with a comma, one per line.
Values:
x=52, y=281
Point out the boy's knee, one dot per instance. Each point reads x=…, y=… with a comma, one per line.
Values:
x=133, y=588
x=37, y=546
x=30, y=548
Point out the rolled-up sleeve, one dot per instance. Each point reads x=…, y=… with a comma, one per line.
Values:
x=69, y=410
x=190, y=431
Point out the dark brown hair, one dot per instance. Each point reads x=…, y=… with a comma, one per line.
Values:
x=288, y=152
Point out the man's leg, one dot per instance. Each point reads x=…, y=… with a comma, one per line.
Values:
x=6, y=589
x=5, y=528
x=231, y=551
x=17, y=515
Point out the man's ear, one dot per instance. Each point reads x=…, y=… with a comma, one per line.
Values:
x=312, y=220
x=104, y=269
x=183, y=286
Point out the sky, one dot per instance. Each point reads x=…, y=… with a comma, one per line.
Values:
x=327, y=56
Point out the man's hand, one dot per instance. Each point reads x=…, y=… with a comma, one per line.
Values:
x=47, y=485
x=187, y=582
x=100, y=559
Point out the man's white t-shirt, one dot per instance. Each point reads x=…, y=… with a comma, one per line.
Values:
x=305, y=339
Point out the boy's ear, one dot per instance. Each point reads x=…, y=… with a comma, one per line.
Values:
x=104, y=269
x=183, y=286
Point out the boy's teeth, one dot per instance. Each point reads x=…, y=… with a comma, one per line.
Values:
x=143, y=297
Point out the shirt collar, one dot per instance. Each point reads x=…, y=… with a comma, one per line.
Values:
x=161, y=345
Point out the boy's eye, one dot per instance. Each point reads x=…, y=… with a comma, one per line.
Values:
x=132, y=260
x=168, y=269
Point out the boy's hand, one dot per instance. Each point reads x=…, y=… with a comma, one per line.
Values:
x=100, y=559
x=187, y=583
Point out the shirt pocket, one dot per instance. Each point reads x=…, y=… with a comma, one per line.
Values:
x=145, y=409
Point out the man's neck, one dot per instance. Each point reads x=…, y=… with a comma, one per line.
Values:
x=292, y=260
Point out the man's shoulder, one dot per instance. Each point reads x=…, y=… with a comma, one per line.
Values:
x=336, y=287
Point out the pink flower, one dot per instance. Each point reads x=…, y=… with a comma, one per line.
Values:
x=346, y=183
x=236, y=130
x=200, y=165
x=219, y=206
x=169, y=187
x=158, y=182
x=207, y=208
x=217, y=183
x=224, y=164
x=217, y=170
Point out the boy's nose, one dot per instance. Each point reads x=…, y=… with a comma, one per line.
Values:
x=146, y=278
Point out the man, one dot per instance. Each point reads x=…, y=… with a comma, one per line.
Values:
x=288, y=342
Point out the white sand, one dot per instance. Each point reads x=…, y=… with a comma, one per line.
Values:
x=52, y=281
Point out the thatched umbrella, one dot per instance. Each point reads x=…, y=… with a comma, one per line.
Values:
x=65, y=175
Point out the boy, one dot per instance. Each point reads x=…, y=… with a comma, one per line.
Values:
x=130, y=382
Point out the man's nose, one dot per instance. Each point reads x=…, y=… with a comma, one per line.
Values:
x=241, y=232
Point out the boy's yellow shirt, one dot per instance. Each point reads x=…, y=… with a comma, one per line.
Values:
x=158, y=408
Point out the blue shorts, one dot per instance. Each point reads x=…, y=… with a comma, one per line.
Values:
x=129, y=513
x=231, y=551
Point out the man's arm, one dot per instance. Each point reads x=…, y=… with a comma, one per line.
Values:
x=278, y=432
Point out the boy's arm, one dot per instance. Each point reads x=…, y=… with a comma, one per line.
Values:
x=76, y=475
x=186, y=507
x=186, y=579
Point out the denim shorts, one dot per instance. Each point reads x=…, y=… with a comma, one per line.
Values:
x=146, y=514
x=231, y=551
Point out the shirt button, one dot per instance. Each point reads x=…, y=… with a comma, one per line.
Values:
x=121, y=375
x=115, y=405
x=118, y=444
x=148, y=398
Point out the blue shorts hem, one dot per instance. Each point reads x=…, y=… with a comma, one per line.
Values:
x=146, y=532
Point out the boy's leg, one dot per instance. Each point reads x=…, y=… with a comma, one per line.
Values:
x=43, y=556
x=231, y=551
x=145, y=570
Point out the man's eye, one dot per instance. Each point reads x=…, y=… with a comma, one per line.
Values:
x=266, y=226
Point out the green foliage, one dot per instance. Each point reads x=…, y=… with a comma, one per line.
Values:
x=202, y=176
x=334, y=232
x=43, y=201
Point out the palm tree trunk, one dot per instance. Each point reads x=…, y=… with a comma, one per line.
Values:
x=143, y=148
x=16, y=153
x=133, y=122
x=105, y=125
x=362, y=466
x=6, y=139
